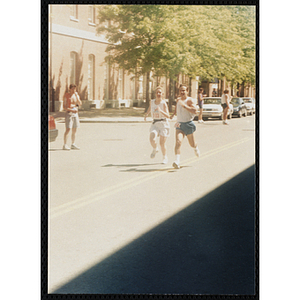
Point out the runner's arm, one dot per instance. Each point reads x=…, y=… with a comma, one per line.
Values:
x=165, y=111
x=190, y=107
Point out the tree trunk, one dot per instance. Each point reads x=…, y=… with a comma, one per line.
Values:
x=242, y=89
x=190, y=87
x=222, y=87
x=147, y=91
x=171, y=93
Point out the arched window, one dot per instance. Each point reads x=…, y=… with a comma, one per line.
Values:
x=91, y=77
x=73, y=62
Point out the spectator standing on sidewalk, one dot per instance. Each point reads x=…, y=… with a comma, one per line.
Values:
x=214, y=93
x=71, y=104
x=200, y=103
x=160, y=125
x=225, y=104
x=186, y=110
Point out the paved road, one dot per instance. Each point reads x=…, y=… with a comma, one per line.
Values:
x=121, y=222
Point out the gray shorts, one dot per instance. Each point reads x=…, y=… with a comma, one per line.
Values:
x=224, y=105
x=72, y=120
x=187, y=127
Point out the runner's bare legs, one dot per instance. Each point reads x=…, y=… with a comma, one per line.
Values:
x=162, y=142
x=191, y=139
x=153, y=140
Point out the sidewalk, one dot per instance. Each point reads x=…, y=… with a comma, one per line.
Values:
x=107, y=115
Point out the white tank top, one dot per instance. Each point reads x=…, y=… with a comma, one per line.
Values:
x=182, y=114
x=154, y=109
x=223, y=98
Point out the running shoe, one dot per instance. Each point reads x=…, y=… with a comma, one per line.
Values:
x=153, y=153
x=197, y=152
x=66, y=147
x=165, y=160
x=73, y=146
x=176, y=165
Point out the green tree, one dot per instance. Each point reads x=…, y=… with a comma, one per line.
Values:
x=225, y=43
x=143, y=38
x=210, y=41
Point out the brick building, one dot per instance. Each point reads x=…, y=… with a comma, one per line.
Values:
x=77, y=55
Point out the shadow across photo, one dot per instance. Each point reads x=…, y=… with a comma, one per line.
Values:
x=129, y=165
x=141, y=170
x=206, y=248
x=56, y=149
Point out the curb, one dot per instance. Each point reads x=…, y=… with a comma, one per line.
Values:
x=112, y=121
x=105, y=119
x=62, y=120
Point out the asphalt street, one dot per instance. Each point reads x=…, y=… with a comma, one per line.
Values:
x=120, y=222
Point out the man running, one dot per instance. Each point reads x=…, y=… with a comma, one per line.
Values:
x=186, y=110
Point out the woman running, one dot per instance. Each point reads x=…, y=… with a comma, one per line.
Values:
x=160, y=125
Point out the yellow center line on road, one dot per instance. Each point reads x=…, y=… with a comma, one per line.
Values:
x=94, y=197
x=215, y=151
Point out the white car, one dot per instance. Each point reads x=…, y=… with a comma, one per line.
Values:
x=250, y=104
x=212, y=108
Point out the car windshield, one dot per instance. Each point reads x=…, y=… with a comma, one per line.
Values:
x=248, y=100
x=235, y=101
x=212, y=100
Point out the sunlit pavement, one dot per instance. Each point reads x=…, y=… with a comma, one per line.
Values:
x=128, y=224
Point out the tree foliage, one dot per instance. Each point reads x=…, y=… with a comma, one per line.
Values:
x=196, y=40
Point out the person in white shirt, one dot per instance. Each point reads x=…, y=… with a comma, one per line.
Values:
x=225, y=104
x=186, y=111
x=160, y=125
x=71, y=104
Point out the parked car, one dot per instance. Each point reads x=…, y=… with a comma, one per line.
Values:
x=250, y=104
x=212, y=108
x=52, y=130
x=239, y=107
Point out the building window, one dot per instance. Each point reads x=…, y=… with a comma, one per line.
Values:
x=92, y=14
x=120, y=84
x=73, y=60
x=91, y=76
x=74, y=12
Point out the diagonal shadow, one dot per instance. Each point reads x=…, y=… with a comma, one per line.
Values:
x=56, y=149
x=129, y=165
x=132, y=169
x=149, y=170
x=155, y=170
x=207, y=248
